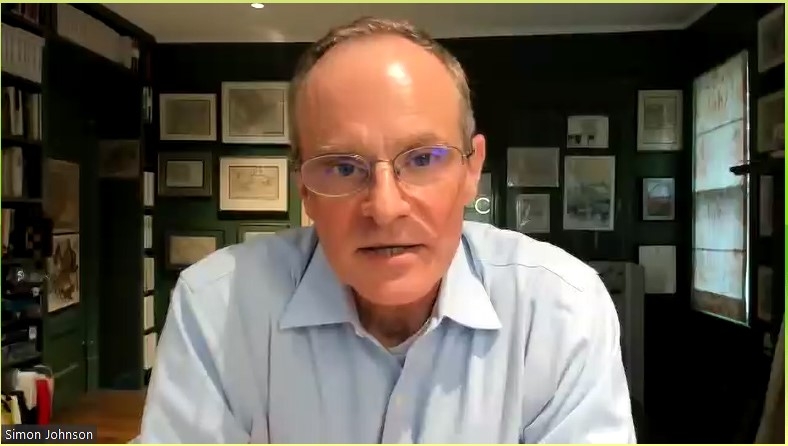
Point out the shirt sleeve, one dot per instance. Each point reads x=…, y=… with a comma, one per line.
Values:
x=185, y=401
x=592, y=402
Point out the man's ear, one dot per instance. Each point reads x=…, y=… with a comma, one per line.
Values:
x=475, y=166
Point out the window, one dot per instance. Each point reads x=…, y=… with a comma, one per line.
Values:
x=721, y=200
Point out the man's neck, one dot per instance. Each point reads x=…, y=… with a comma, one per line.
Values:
x=393, y=325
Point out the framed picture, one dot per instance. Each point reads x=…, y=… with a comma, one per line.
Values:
x=187, y=117
x=249, y=231
x=659, y=120
x=481, y=208
x=61, y=195
x=185, y=174
x=533, y=213
x=187, y=247
x=587, y=132
x=119, y=159
x=589, y=193
x=63, y=272
x=255, y=113
x=659, y=199
x=659, y=263
x=771, y=39
x=532, y=166
x=253, y=183
x=771, y=122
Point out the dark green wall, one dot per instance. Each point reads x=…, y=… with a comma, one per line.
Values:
x=701, y=381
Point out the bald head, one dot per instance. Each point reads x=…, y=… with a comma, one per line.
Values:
x=387, y=40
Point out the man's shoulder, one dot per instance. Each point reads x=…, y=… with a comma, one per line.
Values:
x=501, y=251
x=258, y=262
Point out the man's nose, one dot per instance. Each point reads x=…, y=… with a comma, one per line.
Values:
x=385, y=202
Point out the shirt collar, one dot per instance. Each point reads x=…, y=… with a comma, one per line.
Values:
x=320, y=299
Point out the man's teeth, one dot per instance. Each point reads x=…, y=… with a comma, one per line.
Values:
x=390, y=252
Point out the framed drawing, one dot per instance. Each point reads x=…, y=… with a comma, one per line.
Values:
x=771, y=122
x=63, y=272
x=659, y=199
x=187, y=117
x=255, y=113
x=589, y=193
x=61, y=195
x=532, y=166
x=481, y=208
x=185, y=174
x=253, y=183
x=249, y=231
x=187, y=247
x=587, y=132
x=659, y=120
x=533, y=213
x=119, y=158
x=659, y=262
x=771, y=39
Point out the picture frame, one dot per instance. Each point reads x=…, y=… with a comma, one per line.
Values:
x=532, y=213
x=255, y=113
x=119, y=158
x=659, y=263
x=771, y=39
x=247, y=231
x=187, y=117
x=659, y=120
x=253, y=184
x=63, y=272
x=61, y=200
x=186, y=247
x=659, y=199
x=771, y=122
x=587, y=132
x=589, y=193
x=185, y=174
x=532, y=166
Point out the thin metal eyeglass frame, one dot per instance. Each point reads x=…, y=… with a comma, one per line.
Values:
x=371, y=163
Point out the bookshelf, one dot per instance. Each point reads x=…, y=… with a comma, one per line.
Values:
x=89, y=92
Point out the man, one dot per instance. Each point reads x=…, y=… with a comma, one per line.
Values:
x=391, y=320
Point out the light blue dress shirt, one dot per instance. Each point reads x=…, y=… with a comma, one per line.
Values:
x=263, y=345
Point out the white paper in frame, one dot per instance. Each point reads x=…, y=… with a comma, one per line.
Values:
x=659, y=120
x=253, y=183
x=187, y=117
x=771, y=39
x=255, y=113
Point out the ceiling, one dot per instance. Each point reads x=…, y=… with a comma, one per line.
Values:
x=278, y=22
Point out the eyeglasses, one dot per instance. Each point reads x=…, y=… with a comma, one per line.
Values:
x=339, y=175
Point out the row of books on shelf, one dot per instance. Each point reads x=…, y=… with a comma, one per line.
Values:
x=22, y=114
x=22, y=53
x=13, y=173
x=91, y=33
x=28, y=11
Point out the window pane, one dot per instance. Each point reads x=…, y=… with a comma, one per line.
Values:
x=720, y=95
x=719, y=272
x=719, y=219
x=715, y=153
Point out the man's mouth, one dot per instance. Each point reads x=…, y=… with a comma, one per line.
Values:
x=390, y=250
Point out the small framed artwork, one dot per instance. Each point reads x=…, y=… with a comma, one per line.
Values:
x=187, y=247
x=249, y=231
x=587, y=132
x=253, y=183
x=255, y=113
x=532, y=166
x=187, y=117
x=119, y=159
x=659, y=262
x=771, y=39
x=63, y=272
x=589, y=193
x=185, y=174
x=659, y=199
x=659, y=120
x=771, y=122
x=533, y=213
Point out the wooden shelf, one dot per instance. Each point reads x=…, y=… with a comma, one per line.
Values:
x=20, y=141
x=12, y=80
x=19, y=21
x=10, y=202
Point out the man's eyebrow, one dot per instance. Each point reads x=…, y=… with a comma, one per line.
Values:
x=402, y=143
